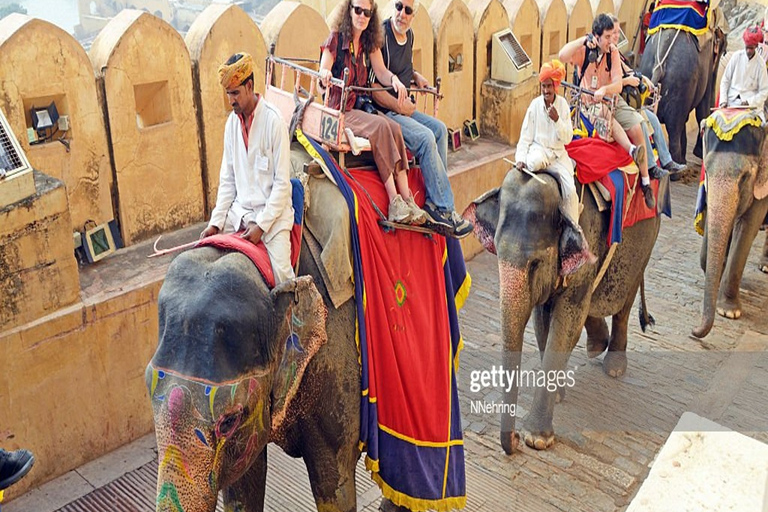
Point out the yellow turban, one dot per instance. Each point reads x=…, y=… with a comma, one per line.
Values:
x=234, y=74
x=554, y=70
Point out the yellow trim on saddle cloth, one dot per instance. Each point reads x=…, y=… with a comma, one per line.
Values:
x=1, y=496
x=416, y=442
x=416, y=504
x=684, y=28
x=726, y=127
x=698, y=223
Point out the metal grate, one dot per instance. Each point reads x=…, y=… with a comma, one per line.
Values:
x=514, y=50
x=12, y=158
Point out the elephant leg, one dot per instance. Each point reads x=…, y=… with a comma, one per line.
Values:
x=570, y=314
x=744, y=232
x=683, y=142
x=331, y=472
x=702, y=112
x=676, y=132
x=247, y=494
x=703, y=251
x=597, y=336
x=615, y=361
x=541, y=319
x=764, y=260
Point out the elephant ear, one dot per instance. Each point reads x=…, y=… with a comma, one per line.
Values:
x=573, y=248
x=301, y=334
x=761, y=177
x=483, y=213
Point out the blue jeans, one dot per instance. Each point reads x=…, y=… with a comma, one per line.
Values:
x=427, y=138
x=658, y=138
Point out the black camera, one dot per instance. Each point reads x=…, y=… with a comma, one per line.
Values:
x=592, y=53
x=641, y=86
x=365, y=103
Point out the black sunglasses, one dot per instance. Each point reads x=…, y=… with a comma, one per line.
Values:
x=399, y=6
x=359, y=10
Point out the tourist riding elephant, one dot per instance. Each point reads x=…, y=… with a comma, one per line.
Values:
x=539, y=249
x=737, y=202
x=688, y=76
x=239, y=365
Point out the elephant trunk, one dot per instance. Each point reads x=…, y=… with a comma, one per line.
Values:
x=722, y=200
x=516, y=309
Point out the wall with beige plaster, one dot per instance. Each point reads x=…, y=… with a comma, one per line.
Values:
x=489, y=17
x=452, y=27
x=38, y=271
x=145, y=77
x=56, y=68
x=504, y=107
x=324, y=7
x=220, y=31
x=602, y=6
x=524, y=18
x=629, y=13
x=554, y=28
x=579, y=18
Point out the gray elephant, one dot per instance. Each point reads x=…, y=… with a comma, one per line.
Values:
x=737, y=202
x=237, y=366
x=688, y=76
x=537, y=245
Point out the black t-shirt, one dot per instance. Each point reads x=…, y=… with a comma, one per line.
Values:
x=397, y=57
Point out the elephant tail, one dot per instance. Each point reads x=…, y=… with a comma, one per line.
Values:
x=646, y=319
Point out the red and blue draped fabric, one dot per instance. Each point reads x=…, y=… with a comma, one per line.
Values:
x=699, y=215
x=687, y=15
x=410, y=417
x=258, y=253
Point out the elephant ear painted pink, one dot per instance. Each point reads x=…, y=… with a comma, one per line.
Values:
x=573, y=247
x=483, y=213
x=301, y=334
x=761, y=179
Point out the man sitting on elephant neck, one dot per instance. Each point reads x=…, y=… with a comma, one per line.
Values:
x=745, y=80
x=254, y=182
x=598, y=68
x=545, y=132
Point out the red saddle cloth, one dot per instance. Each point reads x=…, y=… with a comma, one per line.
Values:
x=256, y=253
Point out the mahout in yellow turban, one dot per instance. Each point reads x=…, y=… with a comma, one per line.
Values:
x=233, y=75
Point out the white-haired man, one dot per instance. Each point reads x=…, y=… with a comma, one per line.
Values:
x=425, y=136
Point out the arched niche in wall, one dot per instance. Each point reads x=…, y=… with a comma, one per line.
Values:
x=323, y=7
x=144, y=73
x=602, y=6
x=423, y=47
x=554, y=28
x=524, y=19
x=488, y=17
x=297, y=31
x=220, y=31
x=579, y=22
x=41, y=64
x=454, y=59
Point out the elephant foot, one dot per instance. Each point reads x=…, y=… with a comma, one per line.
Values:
x=560, y=395
x=615, y=364
x=763, y=267
x=595, y=347
x=539, y=441
x=387, y=506
x=510, y=441
x=729, y=308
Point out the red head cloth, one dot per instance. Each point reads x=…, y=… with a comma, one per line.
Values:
x=554, y=70
x=752, y=36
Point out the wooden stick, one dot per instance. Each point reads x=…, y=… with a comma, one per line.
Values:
x=525, y=170
x=163, y=252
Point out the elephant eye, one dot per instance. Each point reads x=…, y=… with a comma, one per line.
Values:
x=228, y=423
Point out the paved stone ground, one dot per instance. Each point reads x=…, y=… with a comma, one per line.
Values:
x=608, y=431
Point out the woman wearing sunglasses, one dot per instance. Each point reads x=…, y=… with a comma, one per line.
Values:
x=355, y=43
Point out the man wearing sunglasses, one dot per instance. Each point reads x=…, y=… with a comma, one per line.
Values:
x=425, y=136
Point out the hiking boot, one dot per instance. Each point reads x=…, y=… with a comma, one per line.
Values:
x=418, y=216
x=438, y=221
x=461, y=226
x=674, y=167
x=650, y=201
x=656, y=173
x=638, y=154
x=399, y=211
x=13, y=466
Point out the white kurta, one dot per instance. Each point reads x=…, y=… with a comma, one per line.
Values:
x=542, y=146
x=744, y=79
x=255, y=186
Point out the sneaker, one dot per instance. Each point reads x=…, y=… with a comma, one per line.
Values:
x=650, y=201
x=13, y=466
x=656, y=173
x=418, y=216
x=638, y=154
x=673, y=166
x=399, y=211
x=461, y=226
x=438, y=221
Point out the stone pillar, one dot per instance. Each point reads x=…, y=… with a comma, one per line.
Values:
x=220, y=31
x=145, y=81
x=40, y=64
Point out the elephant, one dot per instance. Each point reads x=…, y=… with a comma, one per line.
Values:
x=737, y=202
x=254, y=368
x=688, y=78
x=541, y=269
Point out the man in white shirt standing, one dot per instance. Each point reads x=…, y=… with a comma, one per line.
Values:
x=745, y=80
x=254, y=185
x=546, y=130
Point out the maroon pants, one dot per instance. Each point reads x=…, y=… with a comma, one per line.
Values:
x=385, y=137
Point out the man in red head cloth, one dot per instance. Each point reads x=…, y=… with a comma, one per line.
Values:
x=745, y=80
x=546, y=130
